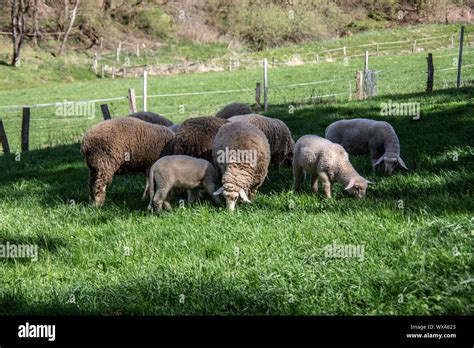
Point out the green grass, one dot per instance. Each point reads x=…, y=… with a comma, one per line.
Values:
x=266, y=258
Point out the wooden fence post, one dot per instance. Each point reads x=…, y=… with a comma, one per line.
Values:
x=359, y=92
x=413, y=47
x=119, y=48
x=25, y=130
x=429, y=82
x=145, y=88
x=452, y=41
x=113, y=72
x=102, y=71
x=366, y=61
x=265, y=84
x=344, y=51
x=4, y=139
x=138, y=50
x=461, y=40
x=94, y=63
x=377, y=47
x=105, y=111
x=317, y=58
x=258, y=91
x=132, y=102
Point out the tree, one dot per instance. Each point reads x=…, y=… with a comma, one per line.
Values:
x=35, y=22
x=19, y=16
x=71, y=24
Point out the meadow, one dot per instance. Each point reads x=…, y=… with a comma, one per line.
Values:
x=268, y=257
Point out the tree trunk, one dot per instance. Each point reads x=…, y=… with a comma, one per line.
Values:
x=69, y=28
x=18, y=18
x=35, y=23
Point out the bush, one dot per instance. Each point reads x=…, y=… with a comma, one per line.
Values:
x=154, y=22
x=266, y=23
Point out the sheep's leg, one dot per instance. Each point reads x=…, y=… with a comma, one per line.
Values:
x=314, y=183
x=92, y=180
x=167, y=206
x=326, y=184
x=102, y=178
x=252, y=193
x=210, y=188
x=298, y=176
x=160, y=198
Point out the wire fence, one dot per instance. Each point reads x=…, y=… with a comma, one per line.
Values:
x=64, y=122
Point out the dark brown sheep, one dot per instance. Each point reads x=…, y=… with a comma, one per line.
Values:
x=195, y=136
x=120, y=145
x=151, y=117
x=234, y=109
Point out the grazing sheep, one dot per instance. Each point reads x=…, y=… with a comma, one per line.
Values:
x=242, y=154
x=234, y=109
x=359, y=136
x=120, y=145
x=175, y=127
x=327, y=161
x=279, y=136
x=179, y=172
x=152, y=118
x=195, y=136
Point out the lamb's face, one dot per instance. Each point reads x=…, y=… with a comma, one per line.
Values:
x=232, y=197
x=358, y=187
x=390, y=164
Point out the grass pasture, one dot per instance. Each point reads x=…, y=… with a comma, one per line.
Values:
x=416, y=228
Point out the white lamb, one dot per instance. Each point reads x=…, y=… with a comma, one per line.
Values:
x=327, y=161
x=360, y=136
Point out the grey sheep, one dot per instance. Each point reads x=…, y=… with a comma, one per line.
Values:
x=151, y=117
x=327, y=161
x=278, y=134
x=120, y=145
x=195, y=136
x=360, y=136
x=242, y=154
x=179, y=172
x=234, y=109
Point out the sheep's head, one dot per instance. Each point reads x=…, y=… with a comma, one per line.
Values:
x=232, y=197
x=390, y=161
x=357, y=187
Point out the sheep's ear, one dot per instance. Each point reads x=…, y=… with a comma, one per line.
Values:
x=400, y=161
x=351, y=183
x=219, y=191
x=244, y=197
x=379, y=160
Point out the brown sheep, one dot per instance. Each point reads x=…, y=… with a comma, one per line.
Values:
x=234, y=109
x=242, y=154
x=151, y=117
x=120, y=145
x=278, y=134
x=194, y=137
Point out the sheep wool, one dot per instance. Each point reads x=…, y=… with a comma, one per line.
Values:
x=234, y=109
x=195, y=136
x=120, y=145
x=242, y=154
x=278, y=135
x=360, y=136
x=151, y=117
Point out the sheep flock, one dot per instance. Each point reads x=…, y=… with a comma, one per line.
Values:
x=230, y=155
